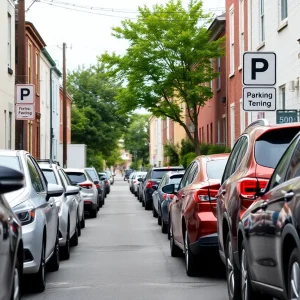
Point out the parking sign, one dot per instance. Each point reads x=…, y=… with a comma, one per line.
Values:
x=25, y=94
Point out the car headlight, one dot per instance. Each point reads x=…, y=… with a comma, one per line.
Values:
x=25, y=213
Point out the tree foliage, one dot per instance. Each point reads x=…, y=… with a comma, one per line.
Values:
x=171, y=153
x=168, y=62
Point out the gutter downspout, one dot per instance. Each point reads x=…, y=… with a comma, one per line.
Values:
x=51, y=129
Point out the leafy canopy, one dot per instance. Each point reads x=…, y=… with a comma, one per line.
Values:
x=168, y=62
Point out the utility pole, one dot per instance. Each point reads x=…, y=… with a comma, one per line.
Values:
x=21, y=69
x=65, y=138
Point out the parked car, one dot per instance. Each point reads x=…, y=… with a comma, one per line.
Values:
x=99, y=184
x=104, y=178
x=136, y=182
x=89, y=191
x=130, y=180
x=154, y=177
x=161, y=201
x=127, y=173
x=192, y=218
x=36, y=209
x=11, y=243
x=140, y=187
x=67, y=205
x=249, y=168
x=110, y=176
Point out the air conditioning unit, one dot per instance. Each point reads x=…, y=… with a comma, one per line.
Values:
x=291, y=86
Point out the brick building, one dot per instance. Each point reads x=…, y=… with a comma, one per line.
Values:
x=69, y=104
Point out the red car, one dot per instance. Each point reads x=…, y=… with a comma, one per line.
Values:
x=248, y=170
x=192, y=220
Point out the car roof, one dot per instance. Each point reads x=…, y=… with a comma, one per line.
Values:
x=74, y=170
x=4, y=152
x=169, y=167
x=171, y=173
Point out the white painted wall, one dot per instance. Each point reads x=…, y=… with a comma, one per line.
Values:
x=280, y=37
x=7, y=81
x=55, y=116
x=45, y=106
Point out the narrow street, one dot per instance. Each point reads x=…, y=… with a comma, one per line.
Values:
x=123, y=255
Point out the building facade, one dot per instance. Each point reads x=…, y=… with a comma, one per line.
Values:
x=236, y=45
x=274, y=26
x=156, y=152
x=212, y=116
x=7, y=74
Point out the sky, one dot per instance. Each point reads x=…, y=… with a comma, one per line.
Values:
x=88, y=35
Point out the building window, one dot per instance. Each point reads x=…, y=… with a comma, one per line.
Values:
x=262, y=20
x=283, y=9
x=282, y=97
x=242, y=117
x=241, y=29
x=211, y=133
x=29, y=64
x=207, y=134
x=232, y=126
x=9, y=47
x=219, y=71
x=37, y=73
x=231, y=40
x=9, y=129
x=218, y=134
x=224, y=129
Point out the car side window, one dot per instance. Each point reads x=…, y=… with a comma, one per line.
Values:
x=62, y=179
x=280, y=171
x=68, y=181
x=230, y=166
x=163, y=182
x=294, y=167
x=243, y=150
x=36, y=180
x=193, y=173
x=184, y=179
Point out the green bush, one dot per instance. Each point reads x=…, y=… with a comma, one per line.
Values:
x=186, y=147
x=171, y=153
x=187, y=159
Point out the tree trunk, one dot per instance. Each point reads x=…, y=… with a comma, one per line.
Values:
x=196, y=138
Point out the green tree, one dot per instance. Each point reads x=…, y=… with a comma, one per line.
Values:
x=168, y=62
x=114, y=159
x=136, y=138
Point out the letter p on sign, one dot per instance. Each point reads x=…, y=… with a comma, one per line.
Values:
x=25, y=94
x=259, y=68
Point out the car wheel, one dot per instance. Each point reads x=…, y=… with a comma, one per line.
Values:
x=147, y=205
x=143, y=203
x=232, y=273
x=100, y=202
x=164, y=226
x=54, y=260
x=138, y=196
x=74, y=239
x=16, y=288
x=154, y=213
x=159, y=220
x=82, y=222
x=78, y=227
x=93, y=213
x=65, y=250
x=175, y=250
x=39, y=278
x=294, y=276
x=190, y=258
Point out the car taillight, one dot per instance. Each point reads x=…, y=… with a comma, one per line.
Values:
x=171, y=196
x=248, y=187
x=97, y=185
x=205, y=194
x=134, y=181
x=164, y=196
x=106, y=182
x=149, y=184
x=86, y=185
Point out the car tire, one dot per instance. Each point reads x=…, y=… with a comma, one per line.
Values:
x=191, y=262
x=82, y=222
x=174, y=249
x=143, y=203
x=159, y=220
x=16, y=288
x=93, y=213
x=74, y=238
x=138, y=196
x=39, y=278
x=164, y=226
x=78, y=227
x=294, y=270
x=65, y=250
x=53, y=263
x=154, y=212
x=147, y=205
x=232, y=273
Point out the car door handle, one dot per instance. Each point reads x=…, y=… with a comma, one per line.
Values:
x=222, y=192
x=289, y=196
x=183, y=195
x=51, y=204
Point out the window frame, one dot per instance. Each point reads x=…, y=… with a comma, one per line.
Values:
x=9, y=40
x=284, y=14
x=262, y=34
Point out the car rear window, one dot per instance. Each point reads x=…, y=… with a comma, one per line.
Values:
x=159, y=173
x=50, y=176
x=175, y=179
x=270, y=146
x=77, y=177
x=10, y=162
x=215, y=168
x=93, y=174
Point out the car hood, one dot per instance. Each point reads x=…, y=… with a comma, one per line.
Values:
x=16, y=197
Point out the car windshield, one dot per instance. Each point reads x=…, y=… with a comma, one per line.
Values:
x=50, y=176
x=159, y=173
x=92, y=173
x=215, y=168
x=77, y=177
x=10, y=162
x=270, y=146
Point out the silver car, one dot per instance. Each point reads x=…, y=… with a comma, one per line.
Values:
x=67, y=204
x=36, y=209
x=136, y=182
x=89, y=191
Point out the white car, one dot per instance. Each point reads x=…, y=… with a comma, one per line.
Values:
x=36, y=209
x=89, y=191
x=68, y=205
x=135, y=182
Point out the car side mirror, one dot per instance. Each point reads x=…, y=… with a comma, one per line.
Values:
x=140, y=179
x=96, y=182
x=71, y=190
x=169, y=189
x=10, y=180
x=54, y=190
x=155, y=187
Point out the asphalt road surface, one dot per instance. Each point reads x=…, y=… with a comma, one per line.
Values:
x=122, y=254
